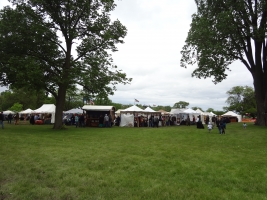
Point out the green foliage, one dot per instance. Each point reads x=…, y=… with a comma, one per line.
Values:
x=225, y=31
x=29, y=98
x=17, y=107
x=159, y=107
x=210, y=110
x=241, y=99
x=181, y=104
x=43, y=60
x=195, y=108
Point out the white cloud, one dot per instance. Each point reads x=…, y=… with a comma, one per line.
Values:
x=151, y=56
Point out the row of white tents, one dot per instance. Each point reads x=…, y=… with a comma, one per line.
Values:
x=128, y=114
x=44, y=109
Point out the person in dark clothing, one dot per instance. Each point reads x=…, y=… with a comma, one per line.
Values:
x=199, y=123
x=207, y=120
x=9, y=117
x=81, y=121
x=118, y=120
x=213, y=120
x=32, y=119
x=156, y=122
x=2, y=118
x=101, y=121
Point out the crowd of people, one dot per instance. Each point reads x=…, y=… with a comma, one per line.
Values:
x=218, y=121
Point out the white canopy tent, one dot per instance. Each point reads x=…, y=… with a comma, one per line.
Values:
x=127, y=120
x=232, y=114
x=148, y=109
x=133, y=108
x=175, y=111
x=47, y=108
x=191, y=113
x=118, y=111
x=27, y=111
x=8, y=112
x=74, y=111
x=128, y=114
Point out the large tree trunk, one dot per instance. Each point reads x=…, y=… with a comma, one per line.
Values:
x=260, y=86
x=60, y=102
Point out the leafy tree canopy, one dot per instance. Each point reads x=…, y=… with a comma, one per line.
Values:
x=17, y=107
x=55, y=45
x=180, y=104
x=225, y=31
x=210, y=110
x=195, y=108
x=241, y=99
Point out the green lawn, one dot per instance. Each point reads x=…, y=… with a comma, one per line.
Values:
x=37, y=162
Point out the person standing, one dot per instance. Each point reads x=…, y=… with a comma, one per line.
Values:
x=110, y=122
x=76, y=118
x=106, y=120
x=16, y=117
x=156, y=122
x=82, y=120
x=188, y=121
x=101, y=121
x=2, y=119
x=9, y=117
x=213, y=120
x=209, y=127
x=244, y=125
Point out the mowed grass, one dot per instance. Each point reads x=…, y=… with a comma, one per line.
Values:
x=37, y=162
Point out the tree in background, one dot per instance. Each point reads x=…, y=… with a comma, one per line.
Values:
x=195, y=108
x=181, y=104
x=225, y=31
x=241, y=99
x=17, y=107
x=210, y=110
x=38, y=40
x=28, y=98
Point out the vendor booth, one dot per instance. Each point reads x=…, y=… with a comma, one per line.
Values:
x=136, y=117
x=94, y=112
x=47, y=112
x=233, y=117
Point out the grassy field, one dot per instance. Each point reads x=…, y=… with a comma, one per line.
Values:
x=37, y=162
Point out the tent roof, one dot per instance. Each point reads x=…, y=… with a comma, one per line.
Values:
x=27, y=111
x=189, y=110
x=133, y=108
x=230, y=113
x=199, y=111
x=46, y=108
x=212, y=113
x=7, y=112
x=148, y=109
x=118, y=111
x=163, y=112
x=74, y=110
x=98, y=108
x=176, y=111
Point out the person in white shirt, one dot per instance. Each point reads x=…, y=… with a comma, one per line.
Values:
x=209, y=126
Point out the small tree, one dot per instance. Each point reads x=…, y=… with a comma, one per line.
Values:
x=181, y=104
x=17, y=107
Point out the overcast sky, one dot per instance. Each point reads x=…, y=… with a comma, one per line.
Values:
x=151, y=56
